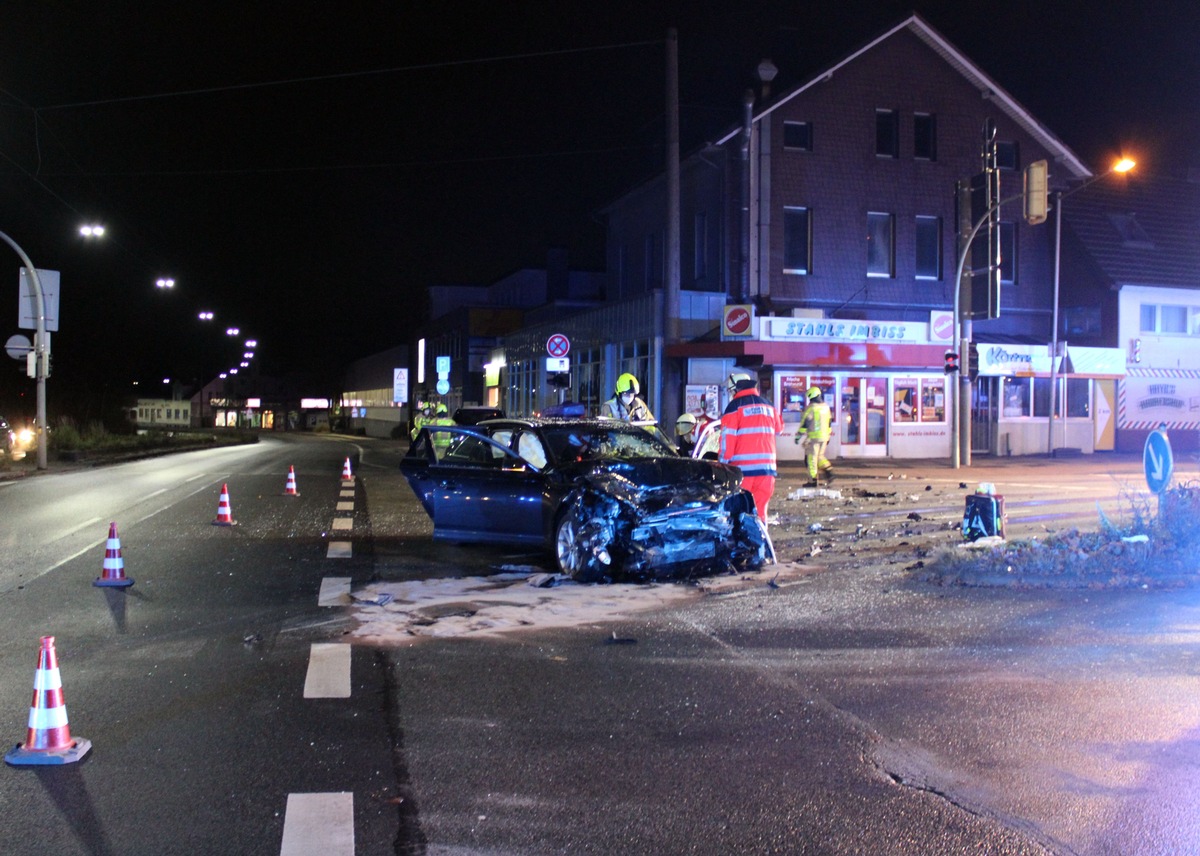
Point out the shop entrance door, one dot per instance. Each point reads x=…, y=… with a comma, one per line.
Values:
x=863, y=426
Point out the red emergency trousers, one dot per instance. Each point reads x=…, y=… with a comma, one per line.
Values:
x=748, y=429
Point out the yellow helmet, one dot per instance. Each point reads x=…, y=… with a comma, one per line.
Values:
x=627, y=383
x=685, y=423
x=441, y=408
x=814, y=392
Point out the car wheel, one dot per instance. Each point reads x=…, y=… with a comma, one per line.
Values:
x=573, y=550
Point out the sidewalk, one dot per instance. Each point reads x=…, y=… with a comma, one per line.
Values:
x=983, y=467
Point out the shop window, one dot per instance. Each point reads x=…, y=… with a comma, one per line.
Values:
x=933, y=400
x=904, y=400
x=1079, y=397
x=1041, y=397
x=1015, y=397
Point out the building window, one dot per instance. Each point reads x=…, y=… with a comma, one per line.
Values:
x=1080, y=321
x=797, y=136
x=797, y=240
x=919, y=400
x=1079, y=397
x=1008, y=154
x=700, y=250
x=1008, y=252
x=881, y=233
x=1015, y=395
x=887, y=133
x=1172, y=319
x=929, y=247
x=925, y=136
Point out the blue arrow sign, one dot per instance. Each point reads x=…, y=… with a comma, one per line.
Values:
x=1157, y=460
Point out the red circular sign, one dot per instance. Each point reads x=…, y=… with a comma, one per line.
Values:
x=558, y=345
x=737, y=321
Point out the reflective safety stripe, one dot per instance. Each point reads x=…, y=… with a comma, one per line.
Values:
x=47, y=679
x=51, y=717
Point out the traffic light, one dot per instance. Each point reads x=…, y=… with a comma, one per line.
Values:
x=1037, y=202
x=951, y=365
x=972, y=361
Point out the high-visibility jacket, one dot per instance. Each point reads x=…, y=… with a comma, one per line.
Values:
x=814, y=422
x=748, y=428
x=441, y=440
x=638, y=410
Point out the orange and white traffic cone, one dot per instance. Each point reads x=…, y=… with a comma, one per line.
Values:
x=113, y=573
x=290, y=490
x=346, y=474
x=48, y=740
x=224, y=513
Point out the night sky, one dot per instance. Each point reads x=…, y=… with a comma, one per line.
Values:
x=306, y=169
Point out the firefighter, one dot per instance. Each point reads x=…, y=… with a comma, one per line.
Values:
x=814, y=432
x=625, y=404
x=424, y=417
x=441, y=439
x=685, y=430
x=748, y=428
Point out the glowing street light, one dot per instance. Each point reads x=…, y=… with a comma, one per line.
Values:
x=165, y=282
x=91, y=230
x=231, y=331
x=205, y=315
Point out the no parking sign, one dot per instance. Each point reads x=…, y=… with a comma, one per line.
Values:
x=558, y=345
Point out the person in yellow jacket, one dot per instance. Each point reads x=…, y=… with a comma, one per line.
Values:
x=441, y=440
x=625, y=404
x=424, y=417
x=814, y=432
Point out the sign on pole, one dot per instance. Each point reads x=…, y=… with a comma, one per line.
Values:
x=27, y=306
x=1157, y=460
x=558, y=345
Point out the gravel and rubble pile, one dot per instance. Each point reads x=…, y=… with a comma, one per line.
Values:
x=919, y=526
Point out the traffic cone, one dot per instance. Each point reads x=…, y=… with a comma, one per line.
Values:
x=224, y=514
x=113, y=573
x=49, y=738
x=346, y=474
x=290, y=490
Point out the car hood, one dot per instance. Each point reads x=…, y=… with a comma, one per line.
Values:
x=661, y=482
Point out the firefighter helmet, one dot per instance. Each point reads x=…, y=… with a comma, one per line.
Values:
x=627, y=383
x=441, y=409
x=740, y=379
x=685, y=424
x=814, y=392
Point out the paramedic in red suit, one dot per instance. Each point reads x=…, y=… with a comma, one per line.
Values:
x=748, y=429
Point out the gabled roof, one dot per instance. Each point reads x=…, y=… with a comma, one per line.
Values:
x=957, y=60
x=1139, y=230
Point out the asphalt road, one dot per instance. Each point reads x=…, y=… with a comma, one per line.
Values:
x=849, y=710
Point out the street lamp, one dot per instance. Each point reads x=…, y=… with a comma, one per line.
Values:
x=91, y=230
x=1123, y=165
x=164, y=283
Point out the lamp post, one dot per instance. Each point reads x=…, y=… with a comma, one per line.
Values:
x=39, y=349
x=1122, y=166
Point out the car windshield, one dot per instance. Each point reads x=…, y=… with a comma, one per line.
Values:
x=590, y=443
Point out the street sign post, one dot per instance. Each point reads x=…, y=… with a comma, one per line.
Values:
x=1157, y=460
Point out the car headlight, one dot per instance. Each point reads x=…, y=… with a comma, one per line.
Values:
x=25, y=436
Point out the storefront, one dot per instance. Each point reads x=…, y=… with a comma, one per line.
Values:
x=1011, y=399
x=883, y=380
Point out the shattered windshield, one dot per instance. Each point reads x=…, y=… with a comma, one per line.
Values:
x=591, y=443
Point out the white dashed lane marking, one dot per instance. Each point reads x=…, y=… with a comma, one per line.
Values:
x=338, y=550
x=343, y=523
x=335, y=591
x=328, y=671
x=345, y=506
x=318, y=825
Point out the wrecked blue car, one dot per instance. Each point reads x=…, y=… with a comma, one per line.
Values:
x=610, y=501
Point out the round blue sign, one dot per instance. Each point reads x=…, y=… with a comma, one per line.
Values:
x=1157, y=460
x=443, y=387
